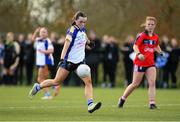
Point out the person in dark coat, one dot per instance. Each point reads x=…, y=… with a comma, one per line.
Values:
x=20, y=72
x=29, y=58
x=126, y=50
x=113, y=58
x=172, y=64
x=166, y=47
x=93, y=57
x=10, y=59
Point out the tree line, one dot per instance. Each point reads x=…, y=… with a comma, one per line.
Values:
x=116, y=17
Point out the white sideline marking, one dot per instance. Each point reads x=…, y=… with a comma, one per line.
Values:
x=55, y=107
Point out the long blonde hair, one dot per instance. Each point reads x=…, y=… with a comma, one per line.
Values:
x=149, y=18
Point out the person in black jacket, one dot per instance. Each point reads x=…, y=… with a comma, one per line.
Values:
x=29, y=58
x=104, y=60
x=174, y=59
x=20, y=73
x=1, y=56
x=172, y=64
x=10, y=59
x=126, y=50
x=112, y=58
x=93, y=56
x=166, y=47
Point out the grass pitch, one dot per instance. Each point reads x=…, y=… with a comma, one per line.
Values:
x=71, y=105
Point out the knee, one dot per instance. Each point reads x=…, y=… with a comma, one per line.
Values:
x=87, y=81
x=152, y=83
x=56, y=82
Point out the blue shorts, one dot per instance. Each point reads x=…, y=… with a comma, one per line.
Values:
x=141, y=69
x=69, y=65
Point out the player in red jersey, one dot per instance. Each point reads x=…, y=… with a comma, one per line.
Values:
x=145, y=45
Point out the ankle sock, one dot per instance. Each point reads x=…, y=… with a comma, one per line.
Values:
x=89, y=102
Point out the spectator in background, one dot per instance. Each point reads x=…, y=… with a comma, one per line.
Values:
x=126, y=50
x=104, y=60
x=172, y=64
x=165, y=44
x=11, y=59
x=93, y=56
x=166, y=47
x=112, y=59
x=1, y=56
x=20, y=73
x=29, y=58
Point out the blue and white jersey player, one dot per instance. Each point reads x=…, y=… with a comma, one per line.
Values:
x=43, y=59
x=78, y=40
x=72, y=59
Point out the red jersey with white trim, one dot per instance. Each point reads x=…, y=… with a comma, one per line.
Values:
x=146, y=45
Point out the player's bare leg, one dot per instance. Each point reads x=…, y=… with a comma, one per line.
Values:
x=89, y=95
x=151, y=77
x=88, y=87
x=137, y=77
x=56, y=90
x=42, y=75
x=60, y=77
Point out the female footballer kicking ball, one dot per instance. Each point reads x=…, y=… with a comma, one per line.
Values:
x=145, y=45
x=72, y=59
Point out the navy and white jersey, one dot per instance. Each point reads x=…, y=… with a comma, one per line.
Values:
x=76, y=50
x=41, y=58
